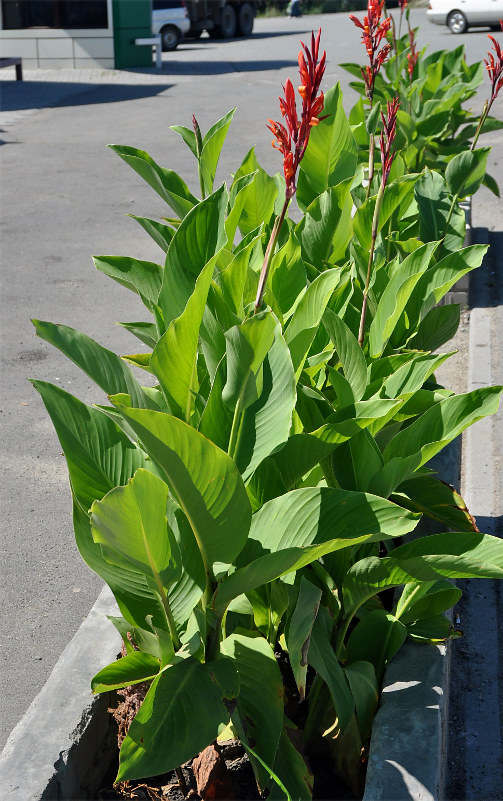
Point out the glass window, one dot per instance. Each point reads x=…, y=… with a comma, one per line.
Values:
x=54, y=14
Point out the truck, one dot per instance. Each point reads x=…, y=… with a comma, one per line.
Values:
x=223, y=19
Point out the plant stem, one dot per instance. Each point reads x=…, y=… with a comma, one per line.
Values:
x=269, y=254
x=375, y=226
x=181, y=781
x=169, y=614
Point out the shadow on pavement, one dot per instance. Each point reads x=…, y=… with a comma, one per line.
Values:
x=211, y=67
x=17, y=96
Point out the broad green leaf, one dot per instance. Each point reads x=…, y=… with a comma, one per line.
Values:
x=99, y=455
x=175, y=355
x=376, y=639
x=291, y=767
x=364, y=689
x=426, y=599
x=442, y=423
x=306, y=318
x=434, y=204
x=284, y=530
x=455, y=554
x=437, y=328
x=101, y=365
x=172, y=704
x=145, y=332
x=259, y=196
x=322, y=658
x=466, y=171
x=287, y=279
x=187, y=135
x=299, y=631
x=396, y=295
x=167, y=184
x=131, y=523
x=331, y=155
x=135, y=597
x=302, y=452
x=411, y=376
x=247, y=347
x=349, y=352
x=199, y=237
x=398, y=195
x=433, y=629
x=131, y=669
x=260, y=701
x=206, y=482
x=161, y=233
x=142, y=277
x=431, y=496
x=268, y=603
x=237, y=198
x=325, y=229
x=213, y=142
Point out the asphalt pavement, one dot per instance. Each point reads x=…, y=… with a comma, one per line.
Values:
x=66, y=196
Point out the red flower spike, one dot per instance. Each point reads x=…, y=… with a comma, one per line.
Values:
x=292, y=138
x=494, y=66
x=388, y=137
x=374, y=31
x=412, y=55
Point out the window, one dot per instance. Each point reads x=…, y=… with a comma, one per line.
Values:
x=54, y=14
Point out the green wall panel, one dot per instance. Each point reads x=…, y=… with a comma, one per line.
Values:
x=132, y=20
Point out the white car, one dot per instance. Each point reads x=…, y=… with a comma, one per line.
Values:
x=459, y=15
x=170, y=18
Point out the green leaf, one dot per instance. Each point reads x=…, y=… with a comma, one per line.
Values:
x=395, y=296
x=364, y=689
x=397, y=196
x=349, y=352
x=131, y=522
x=452, y=554
x=136, y=599
x=101, y=365
x=325, y=229
x=376, y=639
x=99, y=455
x=331, y=155
x=425, y=599
x=131, y=669
x=206, y=482
x=161, y=233
x=259, y=196
x=437, y=328
x=373, y=119
x=299, y=631
x=166, y=183
x=466, y=171
x=145, y=332
x=287, y=279
x=283, y=531
x=429, y=495
x=213, y=142
x=305, y=320
x=247, y=347
x=322, y=658
x=174, y=359
x=142, y=277
x=199, y=237
x=434, y=205
x=432, y=629
x=260, y=701
x=172, y=704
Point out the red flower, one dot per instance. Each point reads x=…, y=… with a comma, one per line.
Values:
x=388, y=137
x=292, y=138
x=403, y=4
x=374, y=32
x=494, y=67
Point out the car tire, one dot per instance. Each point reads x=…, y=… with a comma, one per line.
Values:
x=456, y=22
x=170, y=37
x=245, y=20
x=226, y=29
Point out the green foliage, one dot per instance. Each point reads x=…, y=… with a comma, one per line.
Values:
x=237, y=503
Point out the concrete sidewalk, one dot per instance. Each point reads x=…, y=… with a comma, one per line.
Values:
x=65, y=196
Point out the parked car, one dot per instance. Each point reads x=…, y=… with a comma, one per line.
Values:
x=170, y=18
x=459, y=15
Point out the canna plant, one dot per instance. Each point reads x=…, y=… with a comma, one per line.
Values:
x=253, y=495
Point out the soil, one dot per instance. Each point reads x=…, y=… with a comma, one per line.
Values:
x=239, y=781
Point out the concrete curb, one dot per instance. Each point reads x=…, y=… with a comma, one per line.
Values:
x=62, y=747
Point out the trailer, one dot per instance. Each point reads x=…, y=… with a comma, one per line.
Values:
x=223, y=19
